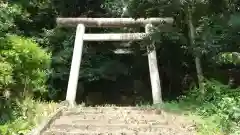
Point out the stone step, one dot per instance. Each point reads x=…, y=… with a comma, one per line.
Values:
x=53, y=132
x=111, y=108
x=110, y=121
x=117, y=121
x=105, y=108
x=112, y=127
x=112, y=132
x=114, y=117
x=109, y=111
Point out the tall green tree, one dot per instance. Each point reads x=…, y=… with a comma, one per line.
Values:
x=202, y=23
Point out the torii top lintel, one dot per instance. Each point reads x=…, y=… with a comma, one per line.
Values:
x=112, y=22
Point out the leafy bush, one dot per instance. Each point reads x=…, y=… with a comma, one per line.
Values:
x=29, y=113
x=24, y=65
x=218, y=100
x=8, y=14
x=6, y=77
x=23, y=69
x=229, y=58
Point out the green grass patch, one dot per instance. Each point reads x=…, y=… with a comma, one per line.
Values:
x=31, y=114
x=208, y=125
x=205, y=125
x=217, y=112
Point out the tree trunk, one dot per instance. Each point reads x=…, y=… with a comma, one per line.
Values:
x=197, y=54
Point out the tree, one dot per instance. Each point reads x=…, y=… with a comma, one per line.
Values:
x=203, y=20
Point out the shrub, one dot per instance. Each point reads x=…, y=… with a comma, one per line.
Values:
x=29, y=113
x=8, y=14
x=24, y=65
x=23, y=70
x=6, y=77
x=219, y=100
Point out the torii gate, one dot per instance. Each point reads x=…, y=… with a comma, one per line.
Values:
x=81, y=23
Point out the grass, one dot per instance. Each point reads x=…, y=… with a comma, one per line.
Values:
x=32, y=112
x=204, y=125
x=217, y=112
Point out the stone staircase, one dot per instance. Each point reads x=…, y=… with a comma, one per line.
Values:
x=118, y=121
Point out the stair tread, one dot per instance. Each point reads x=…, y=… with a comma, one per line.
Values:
x=112, y=111
x=113, y=132
x=117, y=121
x=110, y=121
x=112, y=117
x=111, y=126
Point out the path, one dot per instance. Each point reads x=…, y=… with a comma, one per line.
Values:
x=118, y=121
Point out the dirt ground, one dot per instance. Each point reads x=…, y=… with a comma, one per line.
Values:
x=120, y=121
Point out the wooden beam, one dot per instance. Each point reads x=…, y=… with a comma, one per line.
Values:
x=115, y=37
x=111, y=22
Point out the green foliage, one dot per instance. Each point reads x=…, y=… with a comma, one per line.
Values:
x=6, y=78
x=229, y=58
x=28, y=114
x=9, y=14
x=24, y=65
x=216, y=112
x=115, y=7
x=218, y=100
x=96, y=64
x=24, y=69
x=203, y=125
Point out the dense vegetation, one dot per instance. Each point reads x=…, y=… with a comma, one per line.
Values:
x=198, y=62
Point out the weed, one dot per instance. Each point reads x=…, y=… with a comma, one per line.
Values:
x=29, y=114
x=217, y=113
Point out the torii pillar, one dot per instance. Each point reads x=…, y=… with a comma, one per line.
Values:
x=81, y=23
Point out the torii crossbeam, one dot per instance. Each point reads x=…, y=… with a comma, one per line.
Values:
x=81, y=23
